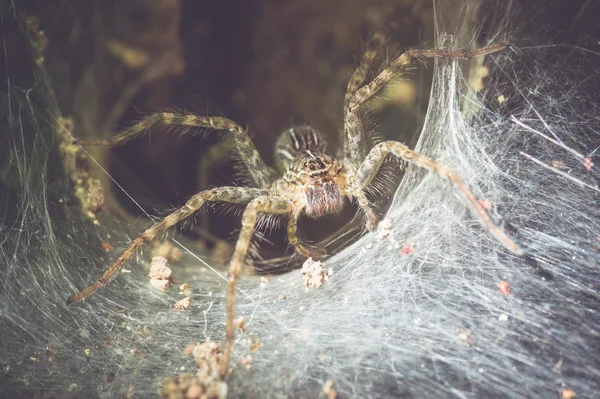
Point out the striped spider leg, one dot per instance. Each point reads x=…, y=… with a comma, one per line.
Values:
x=233, y=195
x=355, y=143
x=354, y=140
x=186, y=123
x=376, y=156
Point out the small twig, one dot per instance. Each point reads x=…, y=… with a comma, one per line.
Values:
x=550, y=139
x=559, y=172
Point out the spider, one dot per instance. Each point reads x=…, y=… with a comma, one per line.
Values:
x=312, y=183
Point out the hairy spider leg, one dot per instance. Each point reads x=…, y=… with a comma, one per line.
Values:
x=257, y=168
x=354, y=145
x=354, y=140
x=236, y=195
x=265, y=204
x=373, y=161
x=360, y=73
x=353, y=126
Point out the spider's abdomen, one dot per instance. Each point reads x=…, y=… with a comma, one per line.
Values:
x=294, y=142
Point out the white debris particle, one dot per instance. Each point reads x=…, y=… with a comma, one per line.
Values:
x=240, y=323
x=183, y=304
x=159, y=269
x=206, y=383
x=246, y=361
x=314, y=273
x=328, y=390
x=385, y=229
x=160, y=284
x=160, y=273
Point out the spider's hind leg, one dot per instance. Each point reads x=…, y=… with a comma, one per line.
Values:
x=366, y=62
x=464, y=54
x=373, y=161
x=354, y=144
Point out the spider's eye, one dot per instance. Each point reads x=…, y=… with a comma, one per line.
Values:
x=312, y=166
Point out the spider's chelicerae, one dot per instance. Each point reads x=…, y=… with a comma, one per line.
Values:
x=312, y=183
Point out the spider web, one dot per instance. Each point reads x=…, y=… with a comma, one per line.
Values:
x=423, y=312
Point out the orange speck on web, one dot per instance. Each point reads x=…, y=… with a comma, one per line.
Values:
x=487, y=205
x=504, y=287
x=106, y=246
x=406, y=249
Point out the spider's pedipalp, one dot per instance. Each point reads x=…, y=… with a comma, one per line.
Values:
x=370, y=166
x=184, y=124
x=315, y=253
x=237, y=195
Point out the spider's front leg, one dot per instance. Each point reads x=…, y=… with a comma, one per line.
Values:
x=236, y=195
x=265, y=204
x=374, y=159
x=355, y=105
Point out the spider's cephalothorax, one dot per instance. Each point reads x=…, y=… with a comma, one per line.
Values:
x=312, y=172
x=321, y=180
x=312, y=182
